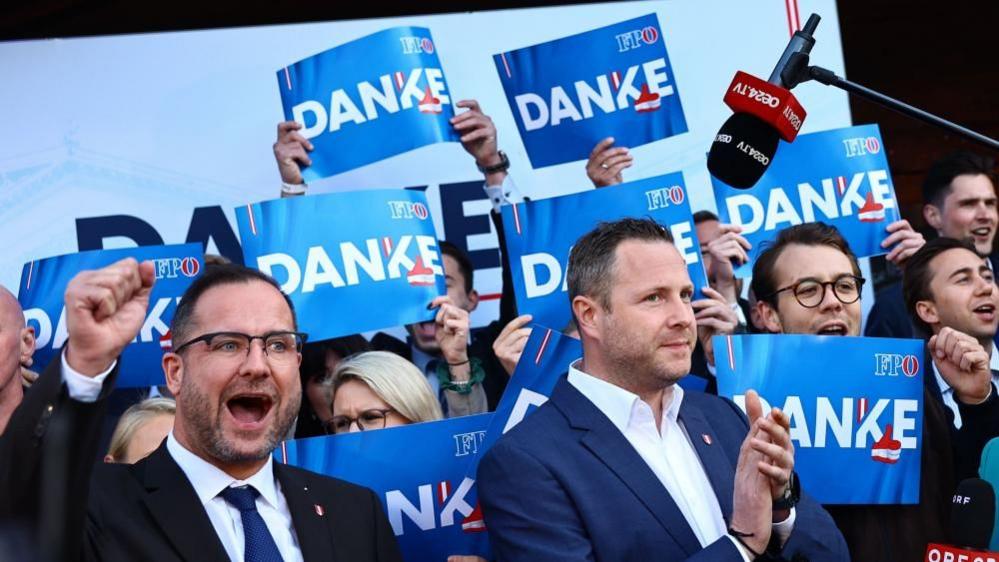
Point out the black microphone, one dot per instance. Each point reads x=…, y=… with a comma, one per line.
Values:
x=972, y=514
x=765, y=112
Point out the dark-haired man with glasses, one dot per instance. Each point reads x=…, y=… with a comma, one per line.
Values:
x=808, y=282
x=212, y=491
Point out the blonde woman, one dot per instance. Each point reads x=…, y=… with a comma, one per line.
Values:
x=140, y=430
x=378, y=389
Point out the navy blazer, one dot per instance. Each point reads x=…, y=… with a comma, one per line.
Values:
x=565, y=484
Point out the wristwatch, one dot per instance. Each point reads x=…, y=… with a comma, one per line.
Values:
x=792, y=493
x=502, y=166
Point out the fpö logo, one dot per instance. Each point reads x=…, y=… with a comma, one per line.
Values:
x=171, y=268
x=416, y=45
x=891, y=364
x=664, y=197
x=636, y=38
x=861, y=146
x=408, y=210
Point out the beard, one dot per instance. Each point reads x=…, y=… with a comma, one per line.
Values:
x=210, y=435
x=637, y=365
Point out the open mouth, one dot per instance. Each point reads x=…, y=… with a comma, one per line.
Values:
x=986, y=311
x=836, y=329
x=249, y=409
x=426, y=329
x=982, y=232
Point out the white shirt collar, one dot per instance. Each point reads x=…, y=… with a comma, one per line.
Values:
x=208, y=480
x=618, y=404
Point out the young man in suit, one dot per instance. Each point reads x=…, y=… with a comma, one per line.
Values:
x=808, y=282
x=212, y=490
x=951, y=295
x=621, y=463
x=959, y=201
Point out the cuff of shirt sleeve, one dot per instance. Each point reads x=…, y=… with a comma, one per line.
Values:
x=783, y=529
x=81, y=387
x=294, y=189
x=504, y=194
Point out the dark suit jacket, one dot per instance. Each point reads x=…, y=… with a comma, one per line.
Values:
x=149, y=511
x=565, y=484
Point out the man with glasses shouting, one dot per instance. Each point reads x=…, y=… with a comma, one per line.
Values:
x=808, y=282
x=212, y=490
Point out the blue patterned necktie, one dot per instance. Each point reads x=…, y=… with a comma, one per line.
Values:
x=259, y=545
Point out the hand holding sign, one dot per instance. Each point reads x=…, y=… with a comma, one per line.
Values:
x=478, y=134
x=606, y=163
x=726, y=252
x=905, y=240
x=104, y=311
x=752, y=501
x=963, y=363
x=509, y=345
x=714, y=317
x=452, y=336
x=291, y=152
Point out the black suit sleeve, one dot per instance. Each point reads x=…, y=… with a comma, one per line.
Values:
x=979, y=423
x=508, y=302
x=49, y=446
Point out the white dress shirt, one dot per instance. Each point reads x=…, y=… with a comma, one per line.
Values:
x=668, y=453
x=208, y=481
x=947, y=393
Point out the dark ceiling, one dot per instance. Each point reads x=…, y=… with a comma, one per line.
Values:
x=940, y=56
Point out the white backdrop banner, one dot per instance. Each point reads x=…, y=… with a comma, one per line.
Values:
x=156, y=138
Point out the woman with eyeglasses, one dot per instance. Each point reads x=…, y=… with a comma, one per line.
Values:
x=378, y=389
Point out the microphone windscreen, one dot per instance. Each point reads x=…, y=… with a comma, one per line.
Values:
x=972, y=514
x=742, y=150
x=989, y=471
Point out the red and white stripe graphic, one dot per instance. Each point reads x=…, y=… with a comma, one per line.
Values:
x=443, y=491
x=287, y=77
x=516, y=218
x=841, y=184
x=399, y=80
x=31, y=269
x=253, y=223
x=387, y=245
x=731, y=354
x=616, y=80
x=863, y=405
x=506, y=65
x=541, y=348
x=793, y=20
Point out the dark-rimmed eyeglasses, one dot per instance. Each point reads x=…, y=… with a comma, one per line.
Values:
x=368, y=420
x=810, y=292
x=279, y=346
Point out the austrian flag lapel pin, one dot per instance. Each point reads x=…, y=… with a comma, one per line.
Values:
x=319, y=510
x=706, y=438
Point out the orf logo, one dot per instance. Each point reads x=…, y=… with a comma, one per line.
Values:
x=891, y=364
x=650, y=35
x=190, y=266
x=427, y=45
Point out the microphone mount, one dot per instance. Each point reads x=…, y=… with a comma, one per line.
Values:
x=797, y=70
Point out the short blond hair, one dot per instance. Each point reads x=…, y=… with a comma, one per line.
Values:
x=133, y=418
x=395, y=380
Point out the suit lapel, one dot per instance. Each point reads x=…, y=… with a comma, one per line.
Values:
x=604, y=440
x=719, y=468
x=309, y=515
x=174, y=505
